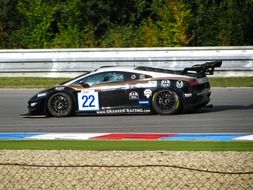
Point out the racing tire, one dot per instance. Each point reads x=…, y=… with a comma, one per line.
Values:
x=166, y=102
x=60, y=105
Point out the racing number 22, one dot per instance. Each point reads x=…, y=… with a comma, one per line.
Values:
x=88, y=101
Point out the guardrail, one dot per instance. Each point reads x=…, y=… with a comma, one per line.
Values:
x=237, y=61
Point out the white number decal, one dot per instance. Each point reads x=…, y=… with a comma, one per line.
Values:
x=88, y=101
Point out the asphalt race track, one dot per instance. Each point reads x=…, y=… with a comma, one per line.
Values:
x=232, y=113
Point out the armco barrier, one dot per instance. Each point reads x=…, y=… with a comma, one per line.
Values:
x=237, y=61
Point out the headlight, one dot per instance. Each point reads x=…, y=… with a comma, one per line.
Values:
x=33, y=104
x=41, y=94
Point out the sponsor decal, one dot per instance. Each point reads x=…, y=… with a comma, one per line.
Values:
x=188, y=95
x=111, y=88
x=142, y=76
x=125, y=87
x=133, y=95
x=133, y=77
x=179, y=84
x=59, y=88
x=165, y=83
x=143, y=102
x=147, y=93
x=124, y=110
x=41, y=94
x=153, y=83
x=132, y=86
x=88, y=101
x=149, y=84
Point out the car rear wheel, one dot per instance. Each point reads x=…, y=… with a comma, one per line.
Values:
x=166, y=102
x=60, y=105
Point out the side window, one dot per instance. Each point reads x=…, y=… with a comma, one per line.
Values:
x=113, y=77
x=102, y=78
x=94, y=79
x=110, y=77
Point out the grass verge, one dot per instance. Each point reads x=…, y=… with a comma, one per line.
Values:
x=127, y=145
x=30, y=82
x=232, y=82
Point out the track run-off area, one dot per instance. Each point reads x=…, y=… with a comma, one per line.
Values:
x=232, y=113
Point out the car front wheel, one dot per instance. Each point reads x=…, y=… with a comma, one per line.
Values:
x=60, y=105
x=166, y=102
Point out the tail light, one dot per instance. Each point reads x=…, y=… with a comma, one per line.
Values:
x=193, y=82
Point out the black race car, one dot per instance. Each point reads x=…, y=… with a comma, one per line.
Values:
x=121, y=90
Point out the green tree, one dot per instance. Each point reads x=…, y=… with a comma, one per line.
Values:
x=128, y=23
x=38, y=18
x=221, y=22
x=234, y=21
x=120, y=36
x=10, y=23
x=167, y=25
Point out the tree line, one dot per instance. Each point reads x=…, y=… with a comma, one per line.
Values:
x=125, y=23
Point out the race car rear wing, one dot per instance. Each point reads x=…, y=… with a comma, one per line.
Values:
x=202, y=69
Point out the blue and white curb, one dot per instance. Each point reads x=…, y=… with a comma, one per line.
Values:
x=210, y=137
x=49, y=136
x=129, y=136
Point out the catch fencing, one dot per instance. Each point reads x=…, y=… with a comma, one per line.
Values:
x=237, y=61
x=24, y=176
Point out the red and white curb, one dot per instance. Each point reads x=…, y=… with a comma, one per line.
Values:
x=66, y=136
x=129, y=136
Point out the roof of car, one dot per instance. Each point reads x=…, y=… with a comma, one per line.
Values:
x=114, y=68
x=140, y=69
x=153, y=72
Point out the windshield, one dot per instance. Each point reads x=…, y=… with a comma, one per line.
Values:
x=73, y=79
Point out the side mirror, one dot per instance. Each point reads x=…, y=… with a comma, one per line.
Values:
x=84, y=85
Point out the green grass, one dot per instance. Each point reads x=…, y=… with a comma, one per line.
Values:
x=232, y=82
x=30, y=82
x=126, y=145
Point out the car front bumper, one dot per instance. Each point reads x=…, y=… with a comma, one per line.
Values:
x=36, y=107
